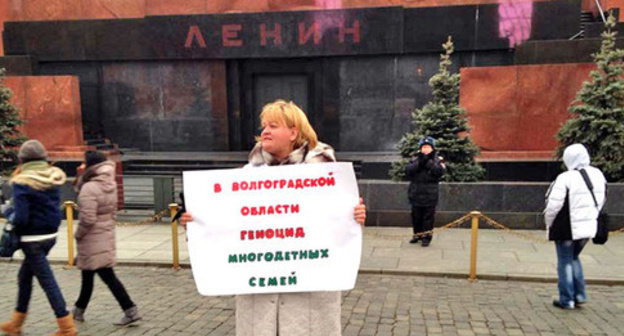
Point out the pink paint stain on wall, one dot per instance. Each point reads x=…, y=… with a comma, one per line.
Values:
x=514, y=21
x=325, y=21
x=329, y=4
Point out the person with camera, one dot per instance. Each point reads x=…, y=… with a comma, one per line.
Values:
x=424, y=173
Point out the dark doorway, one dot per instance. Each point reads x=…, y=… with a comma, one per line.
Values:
x=268, y=88
x=264, y=81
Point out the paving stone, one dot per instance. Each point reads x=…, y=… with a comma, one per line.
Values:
x=379, y=305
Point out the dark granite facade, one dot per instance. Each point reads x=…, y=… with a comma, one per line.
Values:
x=559, y=51
x=168, y=105
x=153, y=106
x=18, y=65
x=516, y=205
x=188, y=83
x=484, y=27
x=378, y=94
x=287, y=34
x=165, y=106
x=246, y=35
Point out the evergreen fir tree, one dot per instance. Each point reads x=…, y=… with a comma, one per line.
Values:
x=598, y=110
x=443, y=119
x=10, y=136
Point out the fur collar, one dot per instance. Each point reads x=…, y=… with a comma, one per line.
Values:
x=39, y=175
x=103, y=172
x=321, y=153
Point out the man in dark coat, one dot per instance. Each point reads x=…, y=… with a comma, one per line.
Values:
x=424, y=173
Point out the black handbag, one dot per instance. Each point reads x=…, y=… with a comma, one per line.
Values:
x=9, y=241
x=602, y=231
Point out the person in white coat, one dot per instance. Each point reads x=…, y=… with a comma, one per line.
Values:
x=571, y=219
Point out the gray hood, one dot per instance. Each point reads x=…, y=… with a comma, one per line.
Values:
x=575, y=157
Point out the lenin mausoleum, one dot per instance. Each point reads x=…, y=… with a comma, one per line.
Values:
x=190, y=76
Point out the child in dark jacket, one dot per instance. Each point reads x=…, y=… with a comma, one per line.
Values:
x=424, y=173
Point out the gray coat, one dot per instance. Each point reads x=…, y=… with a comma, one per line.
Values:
x=97, y=200
x=297, y=314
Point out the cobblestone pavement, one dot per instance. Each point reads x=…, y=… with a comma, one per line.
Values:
x=379, y=305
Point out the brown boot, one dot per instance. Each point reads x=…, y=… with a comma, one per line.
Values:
x=66, y=326
x=14, y=326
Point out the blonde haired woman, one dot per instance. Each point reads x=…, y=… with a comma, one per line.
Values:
x=288, y=138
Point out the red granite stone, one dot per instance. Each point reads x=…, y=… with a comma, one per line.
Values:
x=219, y=100
x=14, y=9
x=614, y=4
x=112, y=9
x=487, y=95
x=413, y=3
x=278, y=5
x=41, y=10
x=175, y=7
x=546, y=92
x=50, y=107
x=33, y=10
x=237, y=6
x=4, y=16
x=519, y=108
x=17, y=85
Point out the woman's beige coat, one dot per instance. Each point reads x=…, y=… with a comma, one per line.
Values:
x=291, y=314
x=97, y=199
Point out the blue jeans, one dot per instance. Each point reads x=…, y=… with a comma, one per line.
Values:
x=570, y=271
x=36, y=264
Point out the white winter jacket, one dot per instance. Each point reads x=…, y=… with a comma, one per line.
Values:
x=583, y=212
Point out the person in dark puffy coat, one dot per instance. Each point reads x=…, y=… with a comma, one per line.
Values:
x=37, y=216
x=424, y=173
x=95, y=237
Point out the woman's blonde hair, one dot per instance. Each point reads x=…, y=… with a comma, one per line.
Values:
x=290, y=115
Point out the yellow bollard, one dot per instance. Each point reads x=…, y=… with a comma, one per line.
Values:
x=474, y=233
x=69, y=212
x=173, y=209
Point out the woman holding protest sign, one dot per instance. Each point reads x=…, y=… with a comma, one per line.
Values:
x=288, y=138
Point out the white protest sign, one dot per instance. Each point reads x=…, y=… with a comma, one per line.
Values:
x=273, y=229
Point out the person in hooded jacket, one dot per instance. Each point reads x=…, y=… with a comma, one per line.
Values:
x=37, y=216
x=571, y=219
x=424, y=173
x=95, y=236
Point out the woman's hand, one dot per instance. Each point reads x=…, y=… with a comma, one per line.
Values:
x=80, y=169
x=359, y=212
x=185, y=218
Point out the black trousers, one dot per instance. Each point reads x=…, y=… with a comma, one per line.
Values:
x=422, y=219
x=108, y=276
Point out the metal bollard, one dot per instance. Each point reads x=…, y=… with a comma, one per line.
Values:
x=474, y=234
x=69, y=213
x=173, y=208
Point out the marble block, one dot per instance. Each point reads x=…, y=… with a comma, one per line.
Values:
x=50, y=107
x=175, y=7
x=532, y=98
x=111, y=9
x=43, y=10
